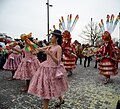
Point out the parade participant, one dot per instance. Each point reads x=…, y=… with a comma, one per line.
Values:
x=29, y=64
x=108, y=60
x=13, y=59
x=75, y=46
x=69, y=55
x=50, y=80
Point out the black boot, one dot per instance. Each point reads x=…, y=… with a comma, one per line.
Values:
x=118, y=105
x=69, y=73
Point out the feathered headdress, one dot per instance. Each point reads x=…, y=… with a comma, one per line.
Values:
x=70, y=25
x=110, y=24
x=67, y=28
x=110, y=27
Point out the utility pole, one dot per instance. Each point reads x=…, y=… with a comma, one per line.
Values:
x=48, y=19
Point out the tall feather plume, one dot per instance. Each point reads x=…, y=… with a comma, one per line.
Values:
x=101, y=29
x=115, y=23
x=54, y=27
x=102, y=23
x=74, y=23
x=107, y=22
x=60, y=25
x=69, y=22
x=63, y=23
x=111, y=23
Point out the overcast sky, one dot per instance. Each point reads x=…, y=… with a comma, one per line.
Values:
x=24, y=16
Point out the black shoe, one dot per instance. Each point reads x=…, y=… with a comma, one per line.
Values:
x=59, y=104
x=118, y=105
x=69, y=73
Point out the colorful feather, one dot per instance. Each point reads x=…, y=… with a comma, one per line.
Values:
x=60, y=25
x=116, y=21
x=107, y=22
x=74, y=22
x=110, y=29
x=63, y=23
x=69, y=22
x=103, y=27
x=54, y=27
x=100, y=25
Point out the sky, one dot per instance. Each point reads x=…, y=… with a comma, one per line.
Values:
x=25, y=16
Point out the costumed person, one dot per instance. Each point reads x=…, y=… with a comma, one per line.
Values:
x=29, y=64
x=69, y=54
x=14, y=58
x=108, y=60
x=50, y=80
x=75, y=45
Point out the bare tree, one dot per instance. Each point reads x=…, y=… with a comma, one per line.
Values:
x=91, y=33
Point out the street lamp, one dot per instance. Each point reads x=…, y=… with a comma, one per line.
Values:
x=48, y=18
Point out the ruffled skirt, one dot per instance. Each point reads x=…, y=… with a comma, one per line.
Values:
x=49, y=82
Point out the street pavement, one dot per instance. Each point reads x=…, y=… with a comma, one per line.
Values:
x=86, y=91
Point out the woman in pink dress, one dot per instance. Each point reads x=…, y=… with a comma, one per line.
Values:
x=50, y=80
x=28, y=66
x=13, y=61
